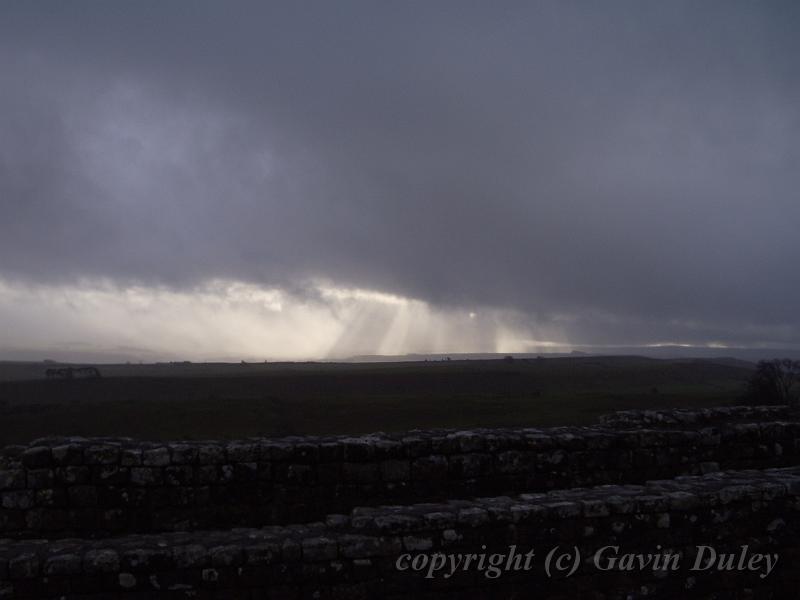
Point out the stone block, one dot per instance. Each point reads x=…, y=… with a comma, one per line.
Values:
x=101, y=454
x=429, y=468
x=101, y=561
x=82, y=496
x=146, y=476
x=319, y=548
x=210, y=454
x=239, y=453
x=130, y=457
x=63, y=564
x=37, y=457
x=12, y=479
x=68, y=454
x=40, y=478
x=178, y=475
x=183, y=454
x=17, y=499
x=156, y=457
x=358, y=449
x=360, y=472
x=395, y=470
x=110, y=474
x=23, y=566
x=226, y=556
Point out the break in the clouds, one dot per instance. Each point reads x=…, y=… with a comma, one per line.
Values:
x=513, y=174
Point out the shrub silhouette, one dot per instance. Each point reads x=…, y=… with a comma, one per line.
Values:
x=775, y=382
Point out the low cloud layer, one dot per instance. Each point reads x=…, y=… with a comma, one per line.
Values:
x=225, y=320
x=615, y=174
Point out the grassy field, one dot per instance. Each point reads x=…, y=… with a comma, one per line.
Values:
x=195, y=401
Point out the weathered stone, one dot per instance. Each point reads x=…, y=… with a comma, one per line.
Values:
x=145, y=559
x=360, y=472
x=388, y=449
x=156, y=457
x=110, y=474
x=262, y=554
x=130, y=457
x=46, y=519
x=649, y=503
x=68, y=454
x=40, y=478
x=440, y=519
x=13, y=451
x=275, y=451
x=563, y=510
x=11, y=479
x=36, y=457
x=210, y=454
x=82, y=496
x=305, y=453
x=17, y=499
x=310, y=475
x=63, y=564
x=51, y=497
x=101, y=561
x=416, y=446
x=413, y=543
x=470, y=465
x=226, y=556
x=225, y=473
x=178, y=475
x=682, y=500
x=621, y=504
x=709, y=467
x=242, y=453
x=729, y=506
x=595, y=508
x=73, y=475
x=245, y=472
x=474, y=517
x=127, y=581
x=23, y=566
x=113, y=520
x=396, y=523
x=206, y=474
x=105, y=454
x=146, y=476
x=319, y=548
x=429, y=468
x=522, y=512
x=358, y=449
x=395, y=470
x=182, y=454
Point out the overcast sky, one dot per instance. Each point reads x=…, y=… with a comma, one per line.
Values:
x=318, y=179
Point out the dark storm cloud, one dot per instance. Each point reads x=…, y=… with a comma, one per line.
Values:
x=628, y=170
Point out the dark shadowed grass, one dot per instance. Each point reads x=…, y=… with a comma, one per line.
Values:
x=233, y=401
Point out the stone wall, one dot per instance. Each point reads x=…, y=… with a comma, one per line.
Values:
x=356, y=555
x=101, y=487
x=698, y=417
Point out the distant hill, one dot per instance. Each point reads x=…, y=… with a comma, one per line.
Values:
x=718, y=354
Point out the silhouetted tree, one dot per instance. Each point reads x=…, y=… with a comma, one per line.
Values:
x=774, y=381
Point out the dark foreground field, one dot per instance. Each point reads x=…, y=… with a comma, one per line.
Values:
x=231, y=401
